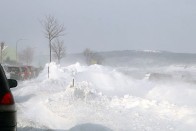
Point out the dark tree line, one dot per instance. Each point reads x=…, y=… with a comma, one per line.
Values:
x=92, y=57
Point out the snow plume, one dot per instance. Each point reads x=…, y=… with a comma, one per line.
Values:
x=103, y=98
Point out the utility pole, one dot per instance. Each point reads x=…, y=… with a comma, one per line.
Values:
x=17, y=42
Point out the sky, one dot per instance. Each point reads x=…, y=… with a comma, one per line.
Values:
x=102, y=25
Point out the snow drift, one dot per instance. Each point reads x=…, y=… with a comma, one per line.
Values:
x=107, y=98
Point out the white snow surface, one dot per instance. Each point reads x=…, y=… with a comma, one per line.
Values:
x=105, y=99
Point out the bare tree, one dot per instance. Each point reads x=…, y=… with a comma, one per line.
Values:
x=58, y=49
x=53, y=30
x=26, y=55
x=3, y=51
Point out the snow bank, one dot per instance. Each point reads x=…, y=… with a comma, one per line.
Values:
x=103, y=98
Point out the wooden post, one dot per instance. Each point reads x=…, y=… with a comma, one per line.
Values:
x=73, y=82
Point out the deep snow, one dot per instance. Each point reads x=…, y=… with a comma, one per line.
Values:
x=108, y=98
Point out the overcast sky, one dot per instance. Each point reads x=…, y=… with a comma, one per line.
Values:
x=103, y=25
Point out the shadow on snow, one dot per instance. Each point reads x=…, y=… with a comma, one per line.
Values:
x=82, y=127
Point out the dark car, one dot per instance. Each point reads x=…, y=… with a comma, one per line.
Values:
x=15, y=72
x=7, y=104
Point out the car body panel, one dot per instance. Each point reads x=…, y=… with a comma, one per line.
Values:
x=8, y=114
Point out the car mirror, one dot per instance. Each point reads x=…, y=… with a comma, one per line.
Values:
x=12, y=83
